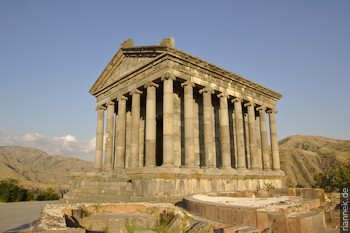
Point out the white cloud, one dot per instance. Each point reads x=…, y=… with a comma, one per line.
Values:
x=68, y=145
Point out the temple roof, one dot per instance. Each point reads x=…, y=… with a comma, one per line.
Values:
x=130, y=57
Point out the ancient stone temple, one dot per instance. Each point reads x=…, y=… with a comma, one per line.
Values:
x=171, y=124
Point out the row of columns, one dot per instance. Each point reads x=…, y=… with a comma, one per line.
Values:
x=258, y=138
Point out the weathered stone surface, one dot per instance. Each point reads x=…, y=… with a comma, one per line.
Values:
x=283, y=214
x=121, y=218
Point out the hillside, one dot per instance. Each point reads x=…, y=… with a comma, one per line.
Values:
x=302, y=157
x=36, y=167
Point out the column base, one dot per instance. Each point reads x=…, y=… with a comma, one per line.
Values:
x=208, y=167
x=227, y=168
x=189, y=166
x=167, y=165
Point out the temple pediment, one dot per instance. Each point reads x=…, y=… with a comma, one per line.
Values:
x=136, y=65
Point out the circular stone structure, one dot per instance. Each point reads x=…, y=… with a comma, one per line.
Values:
x=259, y=212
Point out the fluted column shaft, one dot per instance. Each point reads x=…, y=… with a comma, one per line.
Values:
x=264, y=139
x=168, y=119
x=274, y=141
x=252, y=137
x=258, y=144
x=99, y=137
x=224, y=132
x=121, y=133
x=109, y=135
x=151, y=124
x=208, y=127
x=190, y=160
x=135, y=128
x=241, y=164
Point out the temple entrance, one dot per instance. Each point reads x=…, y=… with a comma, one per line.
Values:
x=159, y=144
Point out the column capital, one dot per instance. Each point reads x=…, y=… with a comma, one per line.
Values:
x=236, y=99
x=136, y=91
x=223, y=95
x=119, y=98
x=207, y=89
x=167, y=76
x=100, y=107
x=261, y=108
x=187, y=83
x=110, y=102
x=250, y=103
x=151, y=84
x=272, y=110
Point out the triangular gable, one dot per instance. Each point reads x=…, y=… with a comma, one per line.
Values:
x=125, y=61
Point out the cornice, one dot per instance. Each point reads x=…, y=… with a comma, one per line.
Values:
x=160, y=53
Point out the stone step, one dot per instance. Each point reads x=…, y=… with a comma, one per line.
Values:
x=84, y=194
x=99, y=199
x=101, y=192
x=116, y=188
x=105, y=183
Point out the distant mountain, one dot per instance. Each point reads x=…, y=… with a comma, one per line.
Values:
x=35, y=167
x=302, y=157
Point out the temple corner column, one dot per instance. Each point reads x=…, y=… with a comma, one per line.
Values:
x=274, y=140
x=109, y=136
x=99, y=137
x=264, y=139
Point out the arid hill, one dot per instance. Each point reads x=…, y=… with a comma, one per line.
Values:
x=302, y=157
x=34, y=167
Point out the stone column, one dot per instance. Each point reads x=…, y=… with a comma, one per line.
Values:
x=135, y=128
x=258, y=144
x=109, y=135
x=224, y=132
x=119, y=161
x=168, y=120
x=246, y=139
x=99, y=137
x=151, y=124
x=208, y=127
x=274, y=140
x=190, y=160
x=264, y=139
x=241, y=164
x=252, y=136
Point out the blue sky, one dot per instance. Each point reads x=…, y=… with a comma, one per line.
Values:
x=51, y=53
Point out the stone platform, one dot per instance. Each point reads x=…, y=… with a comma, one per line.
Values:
x=261, y=211
x=163, y=184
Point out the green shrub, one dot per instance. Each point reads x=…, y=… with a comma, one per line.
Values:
x=48, y=195
x=11, y=191
x=334, y=178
